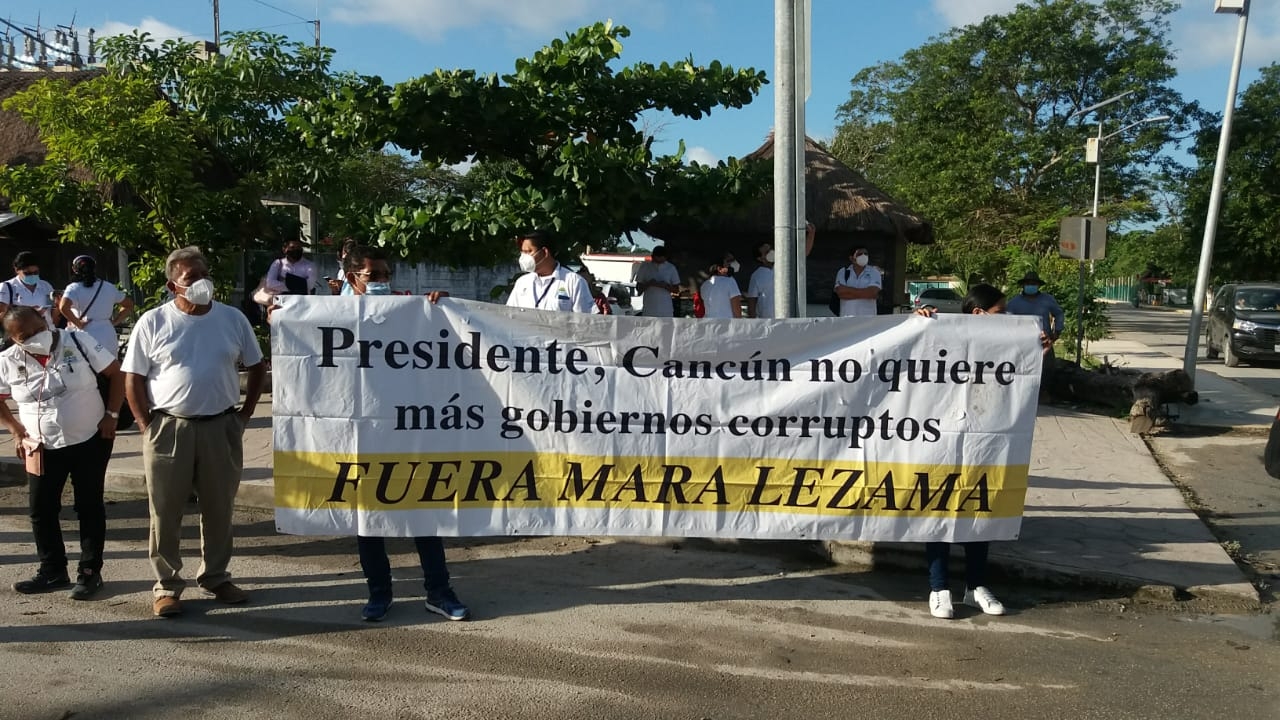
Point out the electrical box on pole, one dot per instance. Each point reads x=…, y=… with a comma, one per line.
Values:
x=1083, y=238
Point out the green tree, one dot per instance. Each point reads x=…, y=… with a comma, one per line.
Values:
x=557, y=143
x=1247, y=243
x=971, y=129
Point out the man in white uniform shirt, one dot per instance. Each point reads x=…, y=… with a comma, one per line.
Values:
x=760, y=289
x=658, y=280
x=858, y=286
x=546, y=284
x=27, y=289
x=183, y=384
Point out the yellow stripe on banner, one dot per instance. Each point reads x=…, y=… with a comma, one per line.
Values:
x=438, y=481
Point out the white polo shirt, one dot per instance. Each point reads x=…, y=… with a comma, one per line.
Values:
x=657, y=301
x=850, y=277
x=15, y=292
x=58, y=402
x=563, y=290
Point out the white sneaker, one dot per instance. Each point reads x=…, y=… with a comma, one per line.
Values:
x=940, y=604
x=982, y=598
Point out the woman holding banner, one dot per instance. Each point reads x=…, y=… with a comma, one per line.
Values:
x=981, y=300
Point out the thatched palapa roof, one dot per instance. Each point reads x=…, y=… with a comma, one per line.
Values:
x=838, y=200
x=19, y=140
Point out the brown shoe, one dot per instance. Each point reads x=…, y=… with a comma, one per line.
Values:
x=229, y=594
x=167, y=606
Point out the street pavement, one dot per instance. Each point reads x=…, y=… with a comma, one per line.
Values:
x=1099, y=511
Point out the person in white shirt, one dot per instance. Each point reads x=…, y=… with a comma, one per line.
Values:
x=858, y=286
x=658, y=280
x=292, y=274
x=721, y=296
x=183, y=384
x=26, y=288
x=546, y=284
x=63, y=429
x=760, y=290
x=89, y=303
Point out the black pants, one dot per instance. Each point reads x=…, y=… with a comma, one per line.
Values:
x=86, y=464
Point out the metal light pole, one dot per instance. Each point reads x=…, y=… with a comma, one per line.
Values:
x=784, y=157
x=1240, y=7
x=1097, y=186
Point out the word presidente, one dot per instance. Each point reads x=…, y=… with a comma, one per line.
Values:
x=488, y=482
x=644, y=361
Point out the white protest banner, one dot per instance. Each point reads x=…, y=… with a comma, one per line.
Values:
x=396, y=417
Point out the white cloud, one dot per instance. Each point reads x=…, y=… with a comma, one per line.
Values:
x=1206, y=39
x=159, y=31
x=431, y=19
x=966, y=12
x=700, y=155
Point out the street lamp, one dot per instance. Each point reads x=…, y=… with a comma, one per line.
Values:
x=1093, y=154
x=1241, y=8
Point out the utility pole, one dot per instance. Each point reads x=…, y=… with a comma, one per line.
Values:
x=316, y=22
x=217, y=29
x=1241, y=8
x=784, y=157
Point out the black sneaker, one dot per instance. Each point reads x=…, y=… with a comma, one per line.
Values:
x=87, y=585
x=42, y=583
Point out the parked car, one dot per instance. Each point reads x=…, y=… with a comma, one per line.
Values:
x=1271, y=457
x=1244, y=323
x=945, y=300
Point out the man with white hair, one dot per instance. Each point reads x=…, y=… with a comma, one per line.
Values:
x=183, y=384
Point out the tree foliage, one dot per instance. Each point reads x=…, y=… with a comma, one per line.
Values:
x=973, y=128
x=557, y=144
x=1247, y=245
x=167, y=148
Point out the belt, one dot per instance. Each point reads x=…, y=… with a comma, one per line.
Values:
x=196, y=418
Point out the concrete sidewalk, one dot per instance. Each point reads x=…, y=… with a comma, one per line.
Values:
x=1098, y=512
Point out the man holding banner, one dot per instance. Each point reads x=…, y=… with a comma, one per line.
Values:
x=368, y=273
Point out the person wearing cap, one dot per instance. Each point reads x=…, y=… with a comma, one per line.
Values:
x=27, y=289
x=658, y=280
x=1041, y=305
x=858, y=285
x=1031, y=301
x=89, y=303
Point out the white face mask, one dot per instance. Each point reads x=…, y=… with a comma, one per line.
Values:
x=861, y=260
x=527, y=263
x=734, y=265
x=199, y=292
x=39, y=344
x=768, y=257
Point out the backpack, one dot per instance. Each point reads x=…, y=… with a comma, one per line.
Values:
x=834, y=303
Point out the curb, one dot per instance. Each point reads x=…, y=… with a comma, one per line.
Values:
x=910, y=557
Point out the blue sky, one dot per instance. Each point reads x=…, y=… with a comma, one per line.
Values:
x=398, y=39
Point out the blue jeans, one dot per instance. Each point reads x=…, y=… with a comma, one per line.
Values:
x=975, y=564
x=377, y=568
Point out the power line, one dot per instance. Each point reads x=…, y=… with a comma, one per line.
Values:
x=282, y=10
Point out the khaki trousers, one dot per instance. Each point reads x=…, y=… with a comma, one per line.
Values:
x=184, y=455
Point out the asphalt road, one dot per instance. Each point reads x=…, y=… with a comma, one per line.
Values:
x=1223, y=470
x=577, y=628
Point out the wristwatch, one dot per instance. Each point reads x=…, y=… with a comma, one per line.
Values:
x=115, y=415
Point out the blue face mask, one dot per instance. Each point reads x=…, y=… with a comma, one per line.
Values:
x=377, y=288
x=1031, y=289
x=31, y=279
